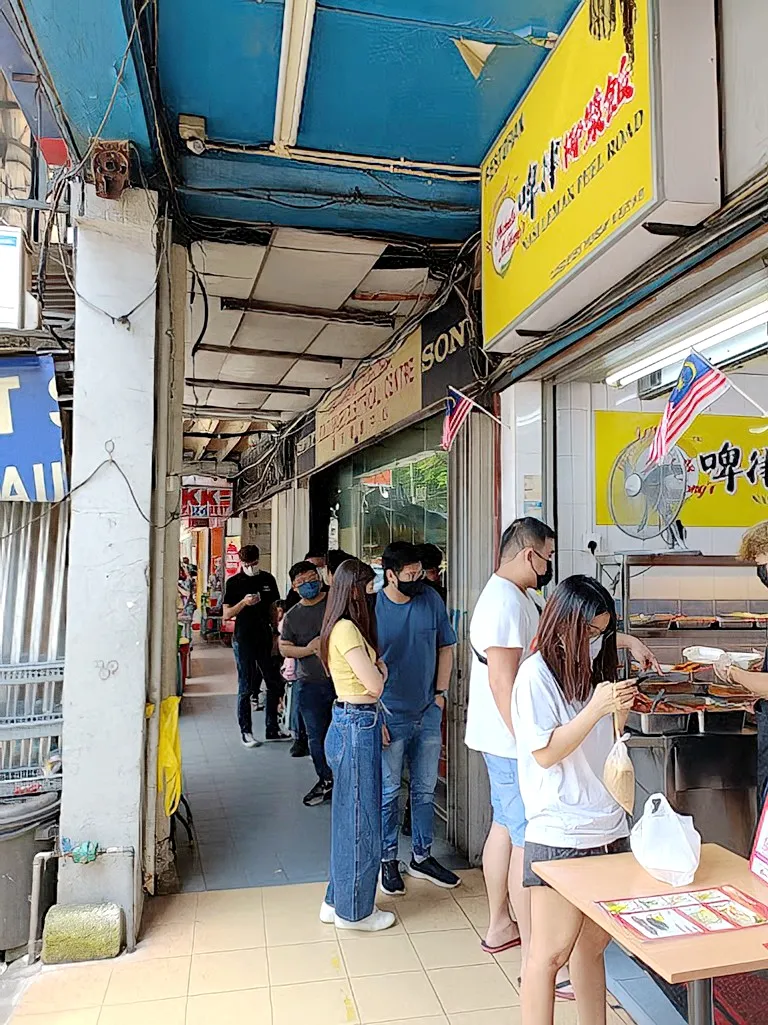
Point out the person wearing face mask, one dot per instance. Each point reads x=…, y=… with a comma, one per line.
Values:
x=248, y=599
x=502, y=630
x=416, y=643
x=301, y=640
x=562, y=703
x=754, y=548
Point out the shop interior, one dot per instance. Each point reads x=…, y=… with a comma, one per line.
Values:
x=664, y=539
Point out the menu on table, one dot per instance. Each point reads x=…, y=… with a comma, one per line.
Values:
x=693, y=913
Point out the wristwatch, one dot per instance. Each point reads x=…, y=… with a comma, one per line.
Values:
x=441, y=694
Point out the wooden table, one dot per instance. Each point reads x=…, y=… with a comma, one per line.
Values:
x=694, y=960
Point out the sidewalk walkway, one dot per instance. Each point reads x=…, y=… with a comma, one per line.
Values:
x=261, y=956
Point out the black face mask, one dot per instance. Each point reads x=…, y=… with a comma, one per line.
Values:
x=762, y=572
x=542, y=579
x=411, y=588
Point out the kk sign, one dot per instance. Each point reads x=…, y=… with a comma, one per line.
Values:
x=206, y=503
x=582, y=162
x=31, y=459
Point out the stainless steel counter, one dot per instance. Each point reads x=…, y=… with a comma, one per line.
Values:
x=711, y=776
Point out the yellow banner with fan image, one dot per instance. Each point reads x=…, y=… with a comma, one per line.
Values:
x=715, y=476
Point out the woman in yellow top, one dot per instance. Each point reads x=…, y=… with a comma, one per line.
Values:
x=353, y=750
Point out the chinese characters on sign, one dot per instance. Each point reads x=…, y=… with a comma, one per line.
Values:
x=572, y=167
x=726, y=466
x=727, y=483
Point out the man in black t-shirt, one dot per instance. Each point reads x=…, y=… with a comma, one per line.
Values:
x=301, y=640
x=248, y=599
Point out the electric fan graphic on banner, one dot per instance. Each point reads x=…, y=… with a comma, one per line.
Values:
x=646, y=498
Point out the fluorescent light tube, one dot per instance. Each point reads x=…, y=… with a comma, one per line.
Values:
x=740, y=322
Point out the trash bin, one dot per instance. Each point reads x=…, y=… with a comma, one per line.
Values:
x=21, y=819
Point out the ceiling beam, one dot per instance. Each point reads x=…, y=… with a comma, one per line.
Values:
x=231, y=413
x=243, y=350
x=298, y=24
x=366, y=318
x=277, y=389
x=226, y=435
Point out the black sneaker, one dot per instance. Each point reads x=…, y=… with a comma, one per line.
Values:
x=321, y=792
x=299, y=749
x=277, y=735
x=434, y=872
x=391, y=882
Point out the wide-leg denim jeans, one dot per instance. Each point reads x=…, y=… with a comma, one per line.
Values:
x=353, y=750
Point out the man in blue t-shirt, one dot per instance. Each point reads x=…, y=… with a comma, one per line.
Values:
x=416, y=642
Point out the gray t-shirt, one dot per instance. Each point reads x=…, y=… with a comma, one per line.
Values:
x=300, y=626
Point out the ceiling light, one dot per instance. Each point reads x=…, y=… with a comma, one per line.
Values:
x=707, y=338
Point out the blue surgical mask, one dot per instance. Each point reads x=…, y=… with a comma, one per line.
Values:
x=310, y=589
x=595, y=646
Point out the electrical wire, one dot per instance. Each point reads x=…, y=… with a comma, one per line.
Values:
x=109, y=447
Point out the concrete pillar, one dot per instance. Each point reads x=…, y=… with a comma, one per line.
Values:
x=107, y=638
x=159, y=866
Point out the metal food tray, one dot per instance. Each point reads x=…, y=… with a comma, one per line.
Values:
x=717, y=720
x=659, y=723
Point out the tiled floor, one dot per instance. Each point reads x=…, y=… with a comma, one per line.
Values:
x=262, y=956
x=246, y=803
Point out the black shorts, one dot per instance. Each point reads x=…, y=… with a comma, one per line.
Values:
x=540, y=852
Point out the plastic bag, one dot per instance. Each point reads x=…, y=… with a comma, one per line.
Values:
x=619, y=775
x=666, y=844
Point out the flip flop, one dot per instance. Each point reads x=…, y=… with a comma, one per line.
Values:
x=499, y=950
x=564, y=990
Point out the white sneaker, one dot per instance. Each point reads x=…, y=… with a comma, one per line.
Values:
x=249, y=740
x=327, y=914
x=375, y=922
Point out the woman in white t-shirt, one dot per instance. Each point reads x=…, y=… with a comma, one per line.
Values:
x=561, y=710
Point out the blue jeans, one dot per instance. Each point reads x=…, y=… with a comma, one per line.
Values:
x=353, y=750
x=419, y=741
x=316, y=707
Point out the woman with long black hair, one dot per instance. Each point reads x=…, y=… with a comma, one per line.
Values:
x=348, y=648
x=562, y=706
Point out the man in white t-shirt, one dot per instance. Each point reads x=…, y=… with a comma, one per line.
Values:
x=503, y=626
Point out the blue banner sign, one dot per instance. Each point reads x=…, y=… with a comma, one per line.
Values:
x=31, y=453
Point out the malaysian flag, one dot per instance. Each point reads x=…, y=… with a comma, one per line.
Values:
x=457, y=409
x=698, y=385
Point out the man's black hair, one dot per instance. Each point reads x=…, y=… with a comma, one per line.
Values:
x=314, y=553
x=399, y=554
x=249, y=553
x=430, y=556
x=525, y=532
x=334, y=558
x=301, y=567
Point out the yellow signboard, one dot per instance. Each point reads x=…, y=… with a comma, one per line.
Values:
x=573, y=166
x=727, y=466
x=379, y=397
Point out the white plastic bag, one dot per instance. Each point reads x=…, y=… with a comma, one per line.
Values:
x=665, y=843
x=619, y=775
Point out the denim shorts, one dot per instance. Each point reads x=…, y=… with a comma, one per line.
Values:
x=508, y=808
x=541, y=852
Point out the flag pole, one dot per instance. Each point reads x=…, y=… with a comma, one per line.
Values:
x=736, y=388
x=478, y=406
